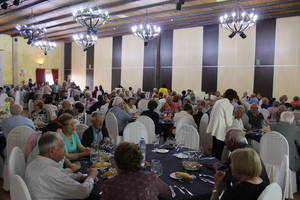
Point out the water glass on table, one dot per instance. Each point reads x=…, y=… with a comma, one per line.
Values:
x=156, y=167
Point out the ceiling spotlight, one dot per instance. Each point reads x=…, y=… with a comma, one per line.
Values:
x=16, y=2
x=4, y=6
x=243, y=35
x=232, y=35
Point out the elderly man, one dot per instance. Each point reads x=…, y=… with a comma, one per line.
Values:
x=15, y=120
x=235, y=139
x=255, y=117
x=45, y=179
x=96, y=132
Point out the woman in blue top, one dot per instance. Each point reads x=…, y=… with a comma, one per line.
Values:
x=73, y=147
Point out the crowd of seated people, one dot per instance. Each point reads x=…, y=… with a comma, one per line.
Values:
x=62, y=107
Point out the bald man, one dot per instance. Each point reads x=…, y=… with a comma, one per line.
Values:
x=15, y=120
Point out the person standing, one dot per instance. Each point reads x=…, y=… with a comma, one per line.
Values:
x=221, y=118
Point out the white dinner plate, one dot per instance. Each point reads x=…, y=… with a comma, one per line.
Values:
x=162, y=150
x=172, y=175
x=180, y=155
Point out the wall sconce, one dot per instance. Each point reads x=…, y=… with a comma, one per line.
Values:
x=40, y=61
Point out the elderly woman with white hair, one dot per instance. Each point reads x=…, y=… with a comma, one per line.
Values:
x=291, y=132
x=122, y=116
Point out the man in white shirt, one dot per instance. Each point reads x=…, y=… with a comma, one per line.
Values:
x=221, y=120
x=45, y=179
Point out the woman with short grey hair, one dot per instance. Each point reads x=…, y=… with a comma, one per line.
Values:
x=287, y=117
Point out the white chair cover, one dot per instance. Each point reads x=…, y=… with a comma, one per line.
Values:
x=112, y=128
x=16, y=162
x=189, y=136
x=274, y=151
x=255, y=145
x=30, y=106
x=18, y=97
x=297, y=118
x=143, y=105
x=150, y=126
x=183, y=121
x=271, y=192
x=134, y=131
x=205, y=138
x=80, y=128
x=16, y=138
x=20, y=190
x=265, y=113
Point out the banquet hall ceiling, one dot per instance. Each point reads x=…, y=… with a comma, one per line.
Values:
x=56, y=15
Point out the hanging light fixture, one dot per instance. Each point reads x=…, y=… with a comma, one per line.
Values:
x=91, y=18
x=45, y=45
x=31, y=32
x=146, y=31
x=238, y=21
x=85, y=40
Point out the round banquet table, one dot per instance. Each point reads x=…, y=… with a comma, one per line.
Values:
x=201, y=190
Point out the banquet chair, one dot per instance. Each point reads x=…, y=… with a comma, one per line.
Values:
x=18, y=97
x=274, y=152
x=112, y=128
x=205, y=138
x=80, y=128
x=271, y=192
x=188, y=136
x=16, y=137
x=30, y=106
x=16, y=165
x=181, y=122
x=265, y=113
x=149, y=124
x=297, y=118
x=143, y=105
x=134, y=131
x=20, y=190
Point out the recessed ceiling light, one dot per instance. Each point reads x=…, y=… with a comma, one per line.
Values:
x=122, y=16
x=172, y=20
x=221, y=0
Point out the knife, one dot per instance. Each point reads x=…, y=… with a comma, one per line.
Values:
x=172, y=191
x=207, y=181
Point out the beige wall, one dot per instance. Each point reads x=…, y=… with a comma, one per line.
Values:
x=287, y=57
x=6, y=45
x=30, y=58
x=103, y=63
x=78, y=63
x=236, y=61
x=187, y=59
x=132, y=62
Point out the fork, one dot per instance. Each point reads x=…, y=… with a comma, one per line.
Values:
x=182, y=187
x=175, y=186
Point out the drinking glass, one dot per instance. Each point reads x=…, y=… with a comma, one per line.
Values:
x=156, y=167
x=94, y=155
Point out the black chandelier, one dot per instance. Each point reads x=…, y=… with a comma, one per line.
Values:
x=45, y=45
x=31, y=32
x=8, y=3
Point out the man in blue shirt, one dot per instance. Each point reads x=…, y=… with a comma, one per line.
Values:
x=15, y=120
